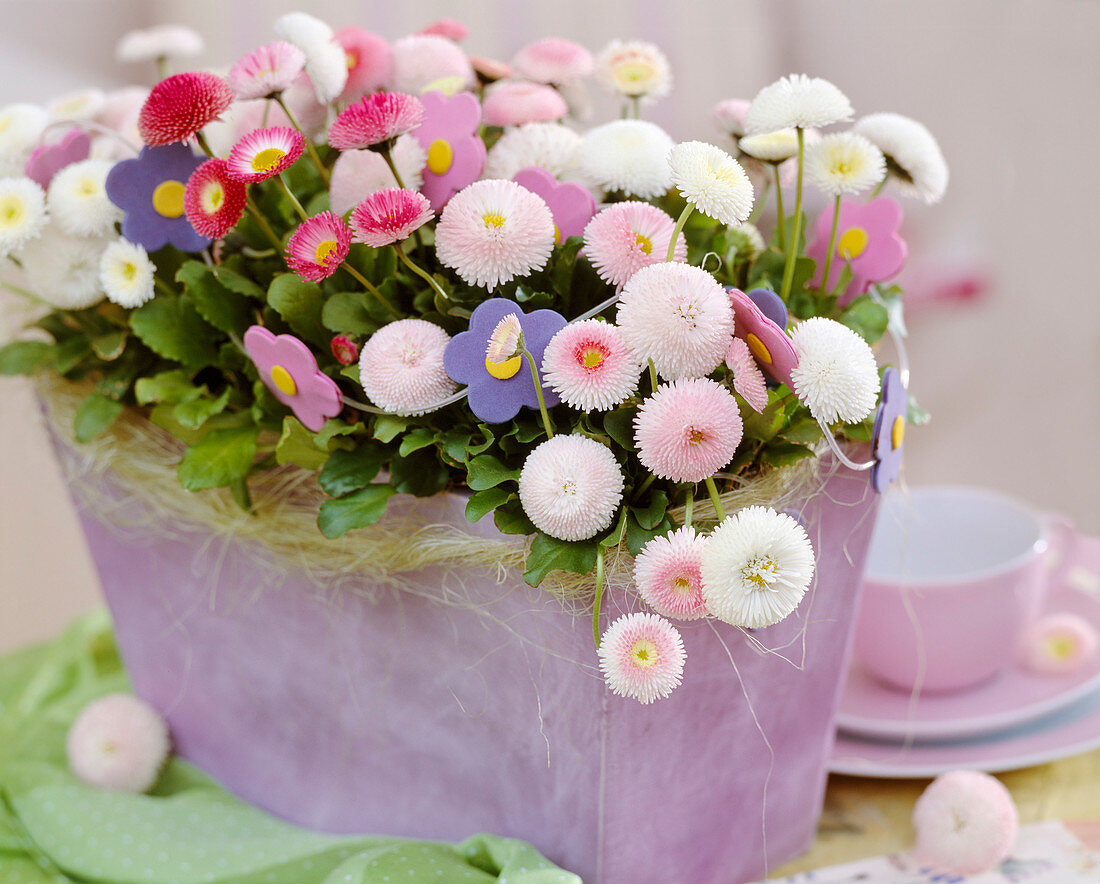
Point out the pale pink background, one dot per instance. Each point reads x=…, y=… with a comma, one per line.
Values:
x=1010, y=89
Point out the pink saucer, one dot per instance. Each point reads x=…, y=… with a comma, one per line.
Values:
x=1015, y=696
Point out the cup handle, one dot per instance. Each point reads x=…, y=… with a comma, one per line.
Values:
x=1062, y=538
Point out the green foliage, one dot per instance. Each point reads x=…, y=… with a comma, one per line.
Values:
x=481, y=503
x=347, y=313
x=347, y=471
x=220, y=458
x=300, y=304
x=94, y=415
x=550, y=554
x=26, y=357
x=221, y=306
x=364, y=507
x=866, y=317
x=171, y=327
x=486, y=471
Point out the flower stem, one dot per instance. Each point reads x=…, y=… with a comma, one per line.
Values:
x=779, y=214
x=290, y=196
x=204, y=144
x=796, y=230
x=387, y=155
x=680, y=222
x=538, y=392
x=163, y=70
x=760, y=203
x=259, y=218
x=419, y=271
x=313, y=155
x=825, y=287
x=880, y=185
x=653, y=375
x=715, y=500
x=163, y=286
x=23, y=293
x=372, y=288
x=689, y=503
x=645, y=484
x=598, y=601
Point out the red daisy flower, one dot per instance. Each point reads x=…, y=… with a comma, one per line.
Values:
x=213, y=199
x=265, y=153
x=180, y=105
x=318, y=247
x=375, y=119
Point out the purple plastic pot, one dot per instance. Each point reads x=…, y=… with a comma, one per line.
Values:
x=388, y=713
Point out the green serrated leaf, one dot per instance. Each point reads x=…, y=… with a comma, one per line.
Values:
x=486, y=471
x=803, y=430
x=420, y=474
x=168, y=386
x=785, y=453
x=219, y=305
x=550, y=554
x=654, y=512
x=619, y=425
x=866, y=318
x=364, y=507
x=109, y=347
x=637, y=536
x=481, y=503
x=297, y=446
x=415, y=439
x=172, y=328
x=26, y=357
x=388, y=427
x=222, y=457
x=237, y=282
x=347, y=471
x=94, y=415
x=510, y=519
x=196, y=412
x=300, y=303
x=346, y=313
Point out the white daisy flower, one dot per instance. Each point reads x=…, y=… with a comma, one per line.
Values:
x=63, y=270
x=302, y=29
x=627, y=155
x=126, y=274
x=634, y=70
x=836, y=375
x=913, y=156
x=22, y=213
x=844, y=163
x=551, y=146
x=21, y=126
x=756, y=567
x=771, y=147
x=87, y=104
x=712, y=181
x=161, y=41
x=78, y=202
x=796, y=101
x=326, y=60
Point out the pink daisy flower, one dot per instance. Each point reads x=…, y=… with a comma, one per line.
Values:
x=213, y=199
x=668, y=574
x=344, y=349
x=265, y=153
x=965, y=822
x=118, y=743
x=449, y=28
x=401, y=367
x=266, y=71
x=625, y=237
x=390, y=216
x=1059, y=643
x=729, y=116
x=589, y=365
x=420, y=59
x=688, y=430
x=642, y=657
x=357, y=174
x=370, y=61
x=494, y=231
x=571, y=487
x=513, y=103
x=748, y=379
x=180, y=105
x=677, y=315
x=318, y=247
x=377, y=118
x=553, y=60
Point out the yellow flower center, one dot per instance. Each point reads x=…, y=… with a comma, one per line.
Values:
x=644, y=243
x=681, y=584
x=634, y=77
x=129, y=270
x=696, y=436
x=557, y=234
x=1060, y=647
x=281, y=378
x=212, y=196
x=168, y=199
x=592, y=357
x=5, y=121
x=643, y=653
x=440, y=156
x=12, y=211
x=852, y=243
x=325, y=250
x=493, y=219
x=897, y=432
x=87, y=187
x=758, y=349
x=352, y=59
x=762, y=571
x=504, y=370
x=267, y=159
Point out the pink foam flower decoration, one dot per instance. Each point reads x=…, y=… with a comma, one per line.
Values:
x=214, y=200
x=748, y=380
x=965, y=822
x=668, y=574
x=370, y=62
x=729, y=116
x=344, y=349
x=401, y=367
x=553, y=60
x=421, y=59
x=769, y=344
x=867, y=238
x=390, y=216
x=449, y=135
x=571, y=204
x=180, y=105
x=357, y=174
x=265, y=153
x=625, y=237
x=288, y=369
x=318, y=247
x=47, y=160
x=375, y=119
x=589, y=365
x=514, y=102
x=1059, y=644
x=450, y=28
x=118, y=743
x=688, y=430
x=266, y=71
x=642, y=657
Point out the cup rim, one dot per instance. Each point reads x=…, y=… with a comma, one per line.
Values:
x=1037, y=548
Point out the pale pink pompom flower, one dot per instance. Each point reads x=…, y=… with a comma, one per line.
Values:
x=729, y=116
x=642, y=657
x=668, y=574
x=748, y=380
x=401, y=367
x=357, y=174
x=450, y=28
x=965, y=822
x=687, y=430
x=118, y=743
x=513, y=103
x=266, y=71
x=1059, y=644
x=589, y=365
x=623, y=238
x=390, y=216
x=421, y=59
x=553, y=60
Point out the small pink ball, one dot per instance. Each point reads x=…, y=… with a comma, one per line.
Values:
x=118, y=743
x=965, y=822
x=1059, y=644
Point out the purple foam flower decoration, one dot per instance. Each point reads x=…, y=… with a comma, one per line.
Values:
x=571, y=204
x=456, y=155
x=290, y=372
x=867, y=237
x=150, y=191
x=889, y=432
x=49, y=159
x=767, y=339
x=497, y=396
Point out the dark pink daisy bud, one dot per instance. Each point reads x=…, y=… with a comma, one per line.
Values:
x=390, y=216
x=180, y=105
x=344, y=349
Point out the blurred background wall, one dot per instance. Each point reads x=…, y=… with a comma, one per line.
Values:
x=1003, y=299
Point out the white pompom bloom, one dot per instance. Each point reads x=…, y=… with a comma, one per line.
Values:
x=634, y=70
x=799, y=102
x=756, y=567
x=712, y=181
x=844, y=163
x=22, y=213
x=836, y=376
x=87, y=104
x=118, y=743
x=912, y=154
x=63, y=270
x=570, y=487
x=627, y=155
x=126, y=274
x=21, y=125
x=550, y=146
x=302, y=29
x=326, y=60
x=78, y=202
x=771, y=147
x=401, y=367
x=160, y=41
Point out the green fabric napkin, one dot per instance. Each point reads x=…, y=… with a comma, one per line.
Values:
x=188, y=829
